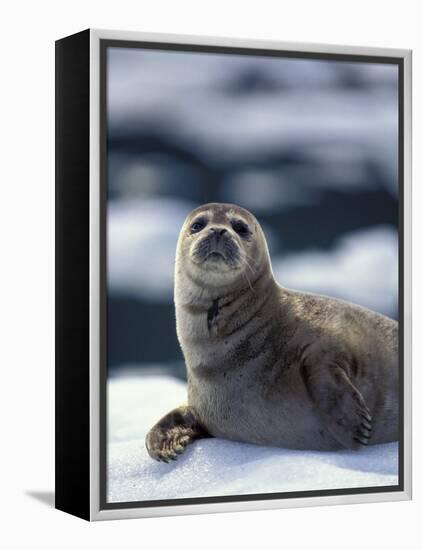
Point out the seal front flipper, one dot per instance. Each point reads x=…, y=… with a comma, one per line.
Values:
x=342, y=406
x=170, y=435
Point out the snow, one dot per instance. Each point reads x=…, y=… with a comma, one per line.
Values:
x=215, y=467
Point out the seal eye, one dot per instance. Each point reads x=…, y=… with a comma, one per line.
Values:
x=240, y=227
x=197, y=226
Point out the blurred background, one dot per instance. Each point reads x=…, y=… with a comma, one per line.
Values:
x=309, y=146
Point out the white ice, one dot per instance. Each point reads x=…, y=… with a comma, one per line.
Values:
x=215, y=467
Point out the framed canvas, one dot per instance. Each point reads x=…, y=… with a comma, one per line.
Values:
x=233, y=284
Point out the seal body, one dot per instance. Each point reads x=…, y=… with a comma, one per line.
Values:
x=266, y=364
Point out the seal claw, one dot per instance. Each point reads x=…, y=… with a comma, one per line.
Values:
x=170, y=436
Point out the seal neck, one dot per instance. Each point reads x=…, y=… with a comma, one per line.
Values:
x=194, y=297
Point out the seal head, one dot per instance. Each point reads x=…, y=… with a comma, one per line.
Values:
x=220, y=247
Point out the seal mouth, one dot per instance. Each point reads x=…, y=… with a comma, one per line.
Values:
x=216, y=251
x=215, y=256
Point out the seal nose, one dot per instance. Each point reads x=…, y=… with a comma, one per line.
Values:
x=218, y=231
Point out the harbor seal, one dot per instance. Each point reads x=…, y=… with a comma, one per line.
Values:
x=269, y=365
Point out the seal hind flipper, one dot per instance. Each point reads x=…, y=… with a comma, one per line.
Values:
x=169, y=436
x=342, y=406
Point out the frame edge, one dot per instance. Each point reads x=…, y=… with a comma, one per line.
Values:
x=138, y=512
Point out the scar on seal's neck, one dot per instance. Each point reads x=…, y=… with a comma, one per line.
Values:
x=212, y=313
